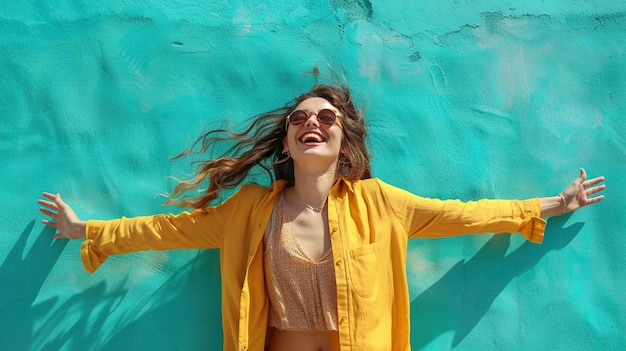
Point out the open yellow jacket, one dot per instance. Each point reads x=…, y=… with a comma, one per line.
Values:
x=369, y=221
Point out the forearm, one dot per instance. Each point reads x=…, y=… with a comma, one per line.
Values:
x=552, y=206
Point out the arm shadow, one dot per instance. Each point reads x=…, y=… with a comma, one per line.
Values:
x=183, y=313
x=34, y=319
x=23, y=275
x=459, y=300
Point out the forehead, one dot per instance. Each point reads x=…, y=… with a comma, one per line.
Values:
x=315, y=104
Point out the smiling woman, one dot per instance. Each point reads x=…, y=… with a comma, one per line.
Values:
x=317, y=260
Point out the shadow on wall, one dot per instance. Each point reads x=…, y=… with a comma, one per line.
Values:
x=22, y=280
x=179, y=315
x=184, y=312
x=459, y=300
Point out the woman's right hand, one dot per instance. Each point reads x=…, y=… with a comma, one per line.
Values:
x=61, y=217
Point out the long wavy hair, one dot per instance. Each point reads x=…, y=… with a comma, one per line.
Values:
x=261, y=145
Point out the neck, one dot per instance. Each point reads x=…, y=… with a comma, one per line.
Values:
x=312, y=188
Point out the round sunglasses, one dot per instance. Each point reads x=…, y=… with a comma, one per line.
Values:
x=325, y=117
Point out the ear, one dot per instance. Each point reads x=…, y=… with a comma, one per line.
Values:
x=285, y=145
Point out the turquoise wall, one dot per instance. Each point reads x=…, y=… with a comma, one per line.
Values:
x=465, y=99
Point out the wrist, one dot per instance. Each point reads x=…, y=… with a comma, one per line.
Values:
x=563, y=203
x=78, y=230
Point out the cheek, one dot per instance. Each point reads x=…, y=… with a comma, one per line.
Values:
x=289, y=138
x=340, y=137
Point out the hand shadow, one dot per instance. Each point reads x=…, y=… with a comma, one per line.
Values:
x=459, y=300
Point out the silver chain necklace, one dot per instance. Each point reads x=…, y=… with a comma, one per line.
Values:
x=312, y=208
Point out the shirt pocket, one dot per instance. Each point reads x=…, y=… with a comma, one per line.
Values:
x=363, y=269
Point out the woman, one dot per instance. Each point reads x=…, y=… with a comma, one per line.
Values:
x=317, y=260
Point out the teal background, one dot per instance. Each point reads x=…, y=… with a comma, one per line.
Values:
x=465, y=99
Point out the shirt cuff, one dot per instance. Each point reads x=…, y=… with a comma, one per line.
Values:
x=533, y=226
x=90, y=254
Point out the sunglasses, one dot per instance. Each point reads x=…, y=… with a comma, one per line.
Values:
x=325, y=117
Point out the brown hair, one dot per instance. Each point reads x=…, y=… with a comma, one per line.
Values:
x=261, y=144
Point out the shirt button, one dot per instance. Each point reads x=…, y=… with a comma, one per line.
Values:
x=338, y=262
x=244, y=347
x=343, y=319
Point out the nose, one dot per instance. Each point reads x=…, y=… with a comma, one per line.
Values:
x=310, y=121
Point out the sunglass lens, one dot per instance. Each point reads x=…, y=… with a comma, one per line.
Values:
x=326, y=117
x=298, y=117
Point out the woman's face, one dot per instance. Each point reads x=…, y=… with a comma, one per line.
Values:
x=314, y=141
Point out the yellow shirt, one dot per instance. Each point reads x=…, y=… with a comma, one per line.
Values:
x=369, y=221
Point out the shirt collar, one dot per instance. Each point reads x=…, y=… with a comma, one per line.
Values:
x=281, y=184
x=344, y=182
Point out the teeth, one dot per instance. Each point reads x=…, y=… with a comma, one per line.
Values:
x=311, y=137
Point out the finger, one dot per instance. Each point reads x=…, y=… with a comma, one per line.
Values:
x=593, y=200
x=61, y=204
x=595, y=189
x=59, y=201
x=58, y=236
x=581, y=178
x=49, y=223
x=49, y=196
x=48, y=204
x=48, y=213
x=593, y=181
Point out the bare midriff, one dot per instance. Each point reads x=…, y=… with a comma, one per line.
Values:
x=290, y=340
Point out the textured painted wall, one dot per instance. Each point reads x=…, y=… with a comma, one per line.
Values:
x=466, y=99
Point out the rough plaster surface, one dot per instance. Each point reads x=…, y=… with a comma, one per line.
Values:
x=465, y=99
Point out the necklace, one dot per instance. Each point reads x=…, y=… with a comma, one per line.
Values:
x=312, y=208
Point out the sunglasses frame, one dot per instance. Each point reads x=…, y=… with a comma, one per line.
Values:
x=309, y=114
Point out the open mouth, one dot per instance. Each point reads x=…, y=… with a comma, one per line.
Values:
x=312, y=138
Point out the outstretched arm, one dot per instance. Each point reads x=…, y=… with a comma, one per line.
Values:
x=575, y=196
x=61, y=217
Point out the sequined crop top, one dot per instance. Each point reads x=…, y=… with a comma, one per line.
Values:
x=302, y=293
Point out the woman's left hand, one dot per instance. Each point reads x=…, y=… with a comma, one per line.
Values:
x=577, y=194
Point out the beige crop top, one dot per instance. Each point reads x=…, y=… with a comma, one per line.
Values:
x=302, y=293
